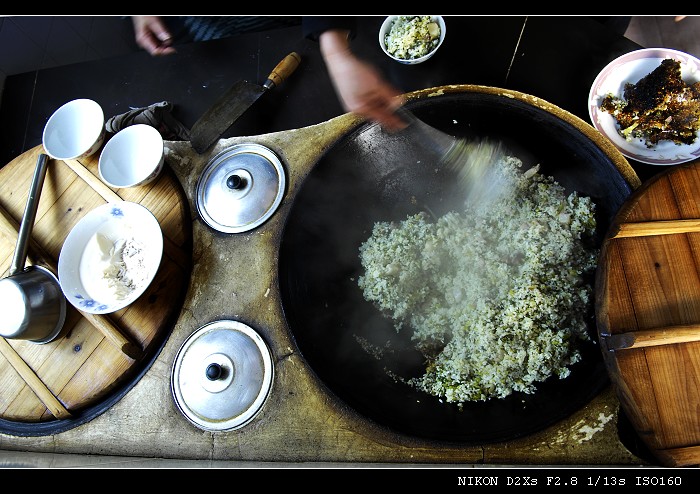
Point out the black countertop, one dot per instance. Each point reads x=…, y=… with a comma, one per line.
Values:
x=553, y=58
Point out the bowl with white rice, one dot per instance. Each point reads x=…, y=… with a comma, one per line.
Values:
x=412, y=39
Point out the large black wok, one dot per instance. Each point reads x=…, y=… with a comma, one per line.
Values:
x=371, y=176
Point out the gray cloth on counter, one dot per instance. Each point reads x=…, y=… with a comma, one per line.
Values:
x=157, y=115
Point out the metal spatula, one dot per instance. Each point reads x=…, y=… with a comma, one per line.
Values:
x=472, y=159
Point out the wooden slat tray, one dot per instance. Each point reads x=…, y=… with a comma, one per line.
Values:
x=46, y=388
x=648, y=312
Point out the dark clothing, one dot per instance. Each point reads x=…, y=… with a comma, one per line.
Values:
x=186, y=29
x=313, y=26
x=616, y=23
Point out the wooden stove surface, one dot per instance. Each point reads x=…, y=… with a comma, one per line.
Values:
x=648, y=312
x=47, y=386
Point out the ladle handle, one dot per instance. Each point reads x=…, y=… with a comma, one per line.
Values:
x=25, y=228
x=440, y=142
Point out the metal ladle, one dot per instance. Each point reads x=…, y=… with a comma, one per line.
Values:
x=471, y=159
x=32, y=303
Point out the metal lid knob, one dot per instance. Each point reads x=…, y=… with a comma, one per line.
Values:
x=214, y=372
x=235, y=182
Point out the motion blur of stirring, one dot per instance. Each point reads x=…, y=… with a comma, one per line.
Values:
x=472, y=159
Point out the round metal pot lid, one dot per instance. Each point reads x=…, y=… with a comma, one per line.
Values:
x=222, y=376
x=240, y=188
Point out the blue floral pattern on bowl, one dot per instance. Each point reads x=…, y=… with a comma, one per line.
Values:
x=89, y=303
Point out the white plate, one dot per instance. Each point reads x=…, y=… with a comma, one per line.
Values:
x=631, y=67
x=80, y=267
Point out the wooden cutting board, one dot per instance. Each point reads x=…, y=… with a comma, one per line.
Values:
x=648, y=312
x=94, y=357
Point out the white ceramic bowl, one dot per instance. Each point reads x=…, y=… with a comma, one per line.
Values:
x=84, y=256
x=76, y=130
x=630, y=68
x=386, y=27
x=133, y=157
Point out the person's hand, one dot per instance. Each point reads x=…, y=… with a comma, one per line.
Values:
x=360, y=87
x=152, y=35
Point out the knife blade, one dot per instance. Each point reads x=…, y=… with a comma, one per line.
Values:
x=234, y=102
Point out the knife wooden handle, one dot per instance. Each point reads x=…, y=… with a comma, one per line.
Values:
x=283, y=70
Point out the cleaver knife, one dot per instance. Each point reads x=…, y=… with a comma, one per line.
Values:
x=232, y=104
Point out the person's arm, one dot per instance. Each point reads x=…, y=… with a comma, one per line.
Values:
x=359, y=85
x=152, y=35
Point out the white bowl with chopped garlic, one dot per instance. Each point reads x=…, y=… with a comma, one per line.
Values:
x=110, y=257
x=412, y=39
